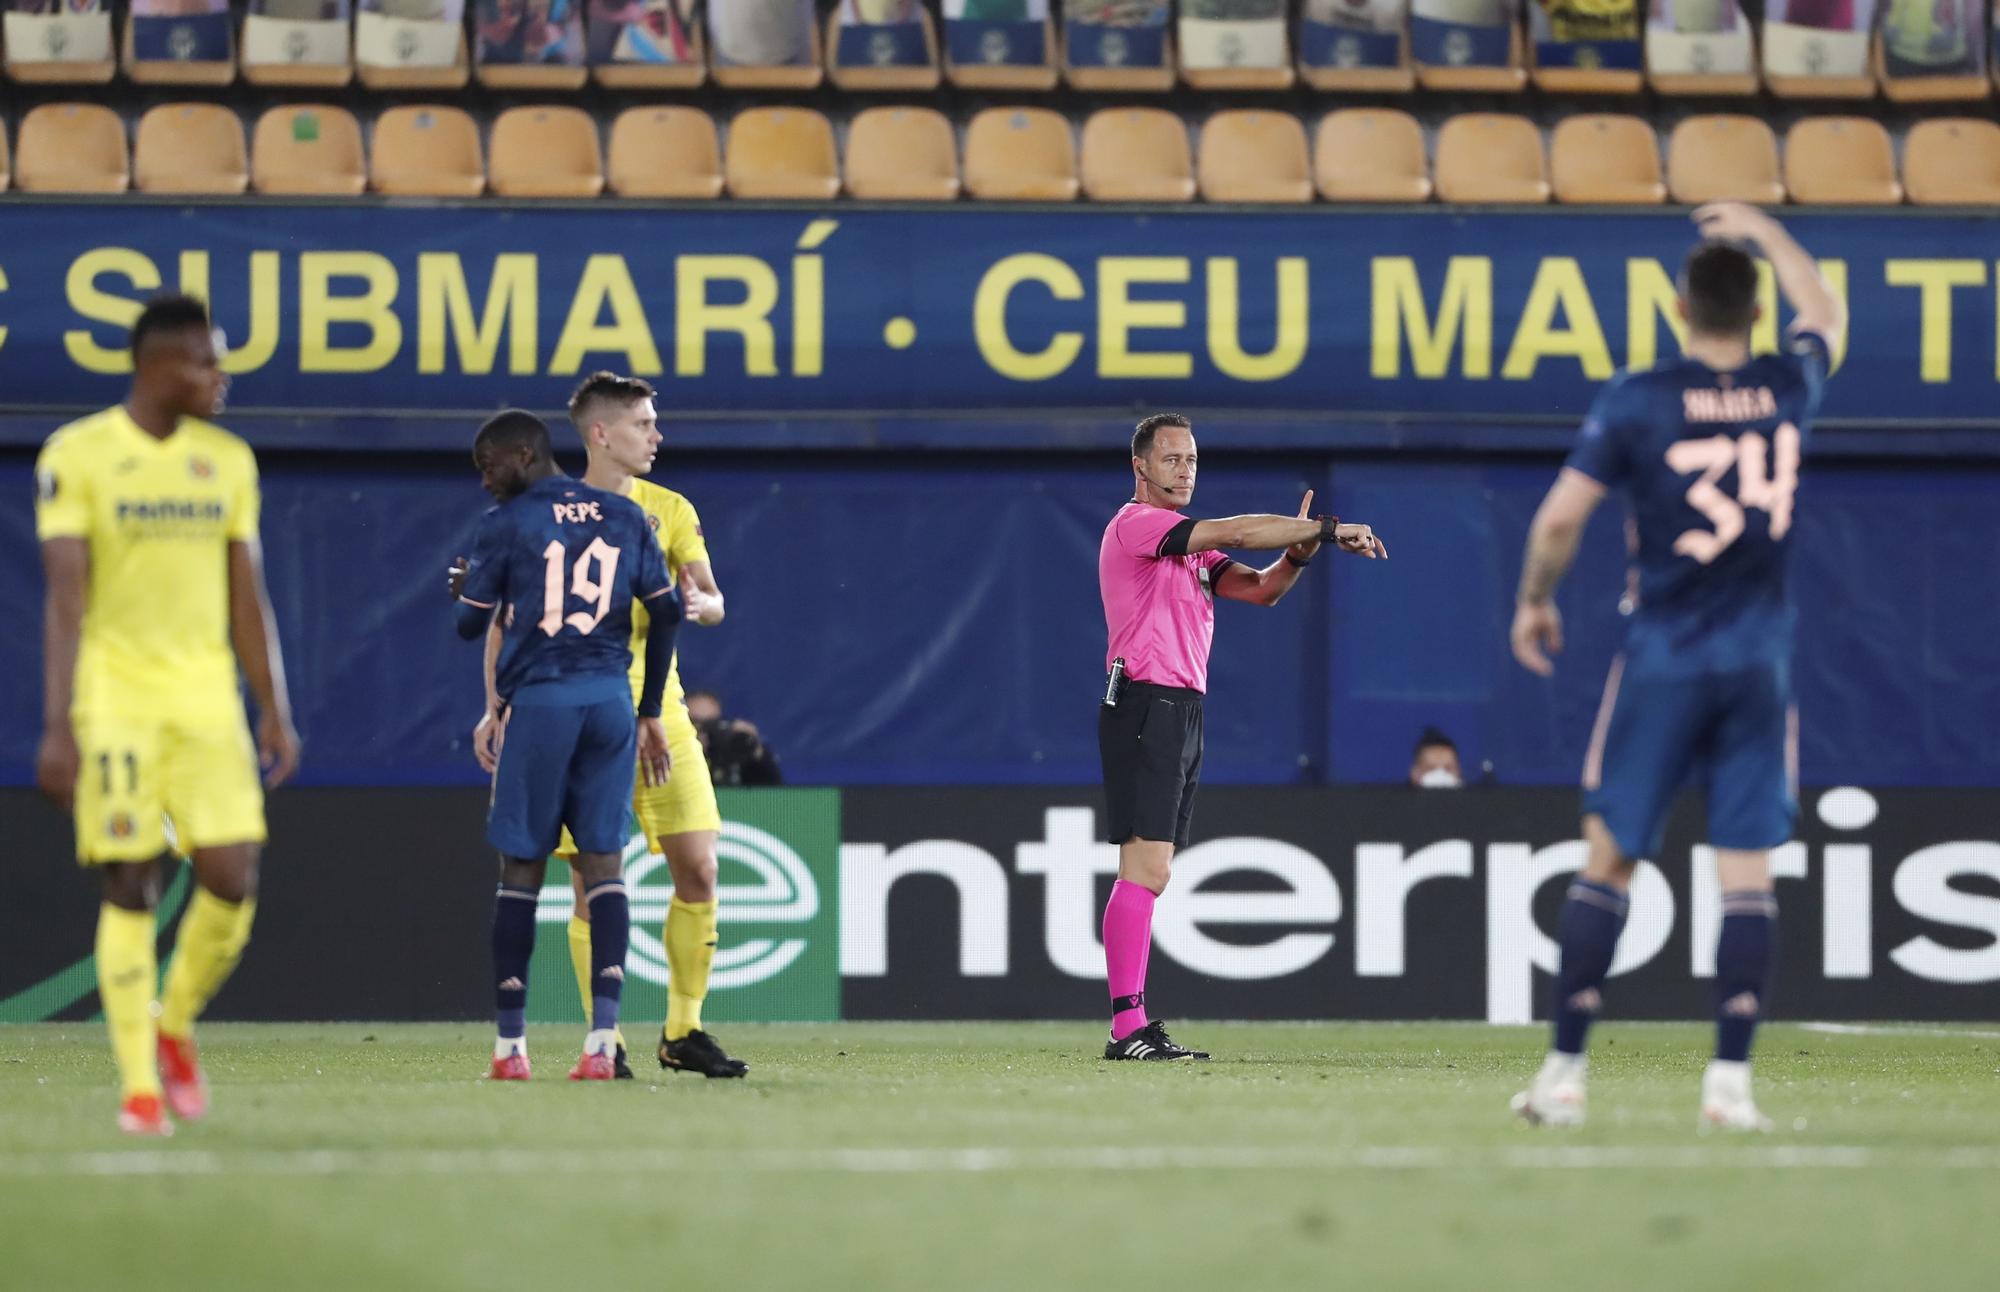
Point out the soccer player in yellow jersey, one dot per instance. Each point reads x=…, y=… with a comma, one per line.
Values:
x=619, y=426
x=147, y=515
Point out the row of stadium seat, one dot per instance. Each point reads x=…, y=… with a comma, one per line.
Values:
x=1010, y=154
x=1921, y=52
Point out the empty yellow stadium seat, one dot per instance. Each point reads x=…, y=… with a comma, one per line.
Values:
x=1371, y=155
x=1020, y=155
x=1252, y=156
x=426, y=150
x=1491, y=157
x=1953, y=161
x=190, y=148
x=545, y=152
x=1606, y=159
x=1723, y=159
x=902, y=154
x=782, y=153
x=1137, y=155
x=1841, y=161
x=308, y=149
x=71, y=148
x=665, y=152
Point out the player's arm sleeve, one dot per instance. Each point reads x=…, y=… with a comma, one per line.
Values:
x=62, y=494
x=685, y=543
x=246, y=507
x=1812, y=354
x=485, y=585
x=654, y=586
x=1150, y=533
x=1601, y=451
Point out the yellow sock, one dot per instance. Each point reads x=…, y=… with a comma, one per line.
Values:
x=127, y=972
x=212, y=936
x=579, y=962
x=690, y=939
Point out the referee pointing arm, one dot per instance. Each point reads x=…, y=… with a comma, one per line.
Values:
x=1160, y=573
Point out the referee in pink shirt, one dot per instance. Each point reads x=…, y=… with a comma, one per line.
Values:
x=1160, y=573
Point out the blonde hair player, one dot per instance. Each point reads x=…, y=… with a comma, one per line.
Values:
x=148, y=518
x=620, y=430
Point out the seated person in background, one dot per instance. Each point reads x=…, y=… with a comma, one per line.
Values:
x=737, y=754
x=1434, y=765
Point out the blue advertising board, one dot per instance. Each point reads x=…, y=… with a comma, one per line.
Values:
x=952, y=318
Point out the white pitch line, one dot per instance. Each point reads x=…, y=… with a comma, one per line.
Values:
x=1870, y=1029
x=390, y=1163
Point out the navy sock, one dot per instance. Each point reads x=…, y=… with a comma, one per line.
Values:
x=1742, y=970
x=1592, y=919
x=513, y=945
x=610, y=929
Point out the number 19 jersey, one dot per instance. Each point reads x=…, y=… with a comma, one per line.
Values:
x=565, y=563
x=1710, y=461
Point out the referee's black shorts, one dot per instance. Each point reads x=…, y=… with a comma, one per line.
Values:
x=1150, y=742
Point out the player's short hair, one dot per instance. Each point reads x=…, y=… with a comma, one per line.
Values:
x=602, y=387
x=1142, y=438
x=169, y=313
x=1432, y=738
x=516, y=428
x=1719, y=283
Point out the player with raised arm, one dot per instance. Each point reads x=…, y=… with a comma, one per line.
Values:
x=620, y=430
x=1708, y=450
x=148, y=519
x=560, y=566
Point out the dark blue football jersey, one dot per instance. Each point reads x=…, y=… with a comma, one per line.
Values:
x=564, y=562
x=1710, y=463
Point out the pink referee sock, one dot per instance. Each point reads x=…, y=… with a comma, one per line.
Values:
x=1128, y=938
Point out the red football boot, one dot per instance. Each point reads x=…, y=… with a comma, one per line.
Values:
x=144, y=1115
x=180, y=1074
x=593, y=1067
x=512, y=1068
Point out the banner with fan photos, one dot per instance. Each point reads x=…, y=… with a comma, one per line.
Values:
x=1807, y=38
x=1464, y=33
x=1233, y=33
x=1927, y=38
x=298, y=33
x=1586, y=33
x=58, y=31
x=1353, y=33
x=409, y=33
x=1116, y=33
x=1698, y=38
x=999, y=33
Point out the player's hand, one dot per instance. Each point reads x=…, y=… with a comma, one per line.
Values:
x=277, y=748
x=1304, y=551
x=56, y=763
x=1733, y=221
x=697, y=606
x=488, y=736
x=1538, y=634
x=654, y=760
x=1361, y=541
x=454, y=575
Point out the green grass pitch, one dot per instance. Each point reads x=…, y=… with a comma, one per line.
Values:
x=975, y=1156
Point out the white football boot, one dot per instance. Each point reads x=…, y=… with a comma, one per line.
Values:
x=1556, y=1096
x=1726, y=1101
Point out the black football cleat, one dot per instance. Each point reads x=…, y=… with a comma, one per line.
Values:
x=620, y=1069
x=1150, y=1043
x=698, y=1052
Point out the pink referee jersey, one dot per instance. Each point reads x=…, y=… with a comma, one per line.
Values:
x=1159, y=611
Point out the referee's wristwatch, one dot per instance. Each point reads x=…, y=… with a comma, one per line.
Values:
x=1329, y=529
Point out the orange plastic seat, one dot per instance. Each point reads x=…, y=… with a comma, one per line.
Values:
x=902, y=154
x=1253, y=156
x=1953, y=161
x=71, y=148
x=1606, y=159
x=1841, y=161
x=545, y=152
x=782, y=153
x=190, y=148
x=426, y=150
x=1491, y=157
x=1137, y=155
x=308, y=149
x=1020, y=155
x=1723, y=159
x=665, y=152
x=1371, y=155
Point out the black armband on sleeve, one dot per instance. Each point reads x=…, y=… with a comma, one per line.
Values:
x=1175, y=541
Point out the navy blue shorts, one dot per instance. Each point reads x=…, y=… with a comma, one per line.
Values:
x=564, y=765
x=1734, y=735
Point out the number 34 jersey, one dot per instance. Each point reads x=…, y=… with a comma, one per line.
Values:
x=1710, y=463
x=565, y=563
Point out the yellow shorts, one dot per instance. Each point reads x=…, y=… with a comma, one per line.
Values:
x=685, y=803
x=137, y=773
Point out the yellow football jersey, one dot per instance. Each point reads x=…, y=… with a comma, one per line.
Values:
x=159, y=516
x=678, y=528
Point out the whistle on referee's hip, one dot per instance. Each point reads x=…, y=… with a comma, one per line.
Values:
x=1114, y=683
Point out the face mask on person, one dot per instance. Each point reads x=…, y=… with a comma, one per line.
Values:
x=1440, y=778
